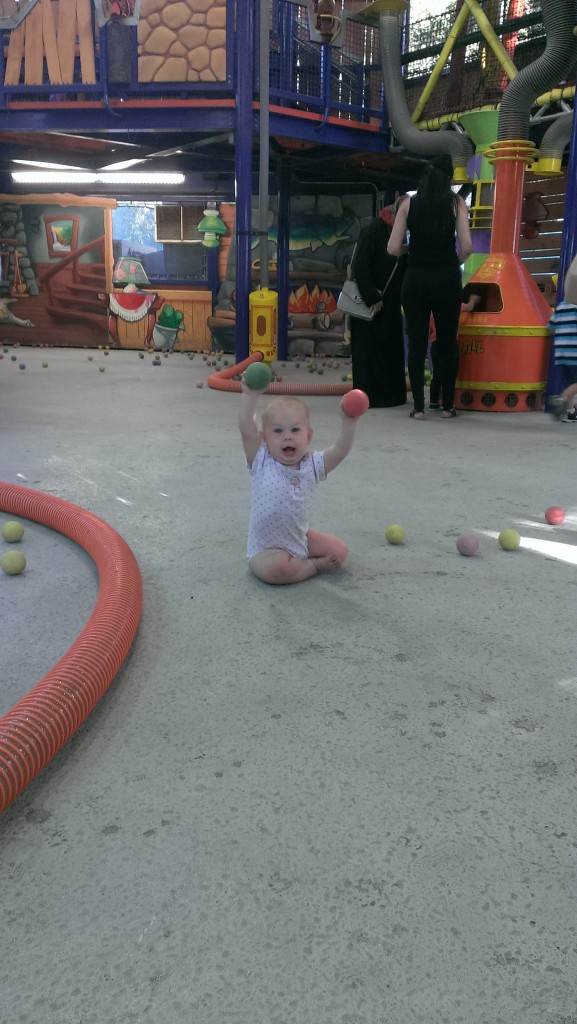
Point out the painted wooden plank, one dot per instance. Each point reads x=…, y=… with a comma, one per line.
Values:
x=86, y=42
x=50, y=46
x=15, y=55
x=33, y=47
x=66, y=39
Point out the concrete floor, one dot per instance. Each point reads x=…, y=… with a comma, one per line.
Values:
x=347, y=802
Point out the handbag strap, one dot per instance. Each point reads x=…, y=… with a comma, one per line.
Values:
x=389, y=279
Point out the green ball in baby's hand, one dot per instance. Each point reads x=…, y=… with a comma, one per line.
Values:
x=257, y=376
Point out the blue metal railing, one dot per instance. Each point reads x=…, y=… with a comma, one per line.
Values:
x=342, y=81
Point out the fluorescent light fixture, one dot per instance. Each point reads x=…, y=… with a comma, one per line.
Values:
x=99, y=178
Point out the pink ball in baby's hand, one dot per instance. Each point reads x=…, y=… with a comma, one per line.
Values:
x=554, y=515
x=355, y=403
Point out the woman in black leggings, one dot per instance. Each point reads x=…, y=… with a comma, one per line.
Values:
x=436, y=219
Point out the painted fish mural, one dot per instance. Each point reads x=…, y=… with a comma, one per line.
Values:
x=313, y=231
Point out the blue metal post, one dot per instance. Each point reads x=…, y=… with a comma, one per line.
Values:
x=244, y=73
x=568, y=246
x=287, y=54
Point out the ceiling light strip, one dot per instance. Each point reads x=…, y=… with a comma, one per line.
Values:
x=102, y=178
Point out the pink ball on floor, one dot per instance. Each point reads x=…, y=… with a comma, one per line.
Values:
x=554, y=515
x=355, y=403
x=467, y=544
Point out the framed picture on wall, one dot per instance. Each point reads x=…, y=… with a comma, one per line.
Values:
x=61, y=235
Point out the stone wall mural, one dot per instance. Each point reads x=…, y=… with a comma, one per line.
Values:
x=183, y=41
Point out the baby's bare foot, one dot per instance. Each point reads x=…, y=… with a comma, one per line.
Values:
x=327, y=563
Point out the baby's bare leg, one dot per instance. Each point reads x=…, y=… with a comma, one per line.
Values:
x=274, y=565
x=327, y=552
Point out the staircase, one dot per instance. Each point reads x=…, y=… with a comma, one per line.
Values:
x=82, y=300
x=77, y=291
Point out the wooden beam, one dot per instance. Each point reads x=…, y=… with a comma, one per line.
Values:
x=33, y=48
x=50, y=46
x=86, y=42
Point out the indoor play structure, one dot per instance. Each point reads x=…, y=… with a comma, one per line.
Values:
x=313, y=94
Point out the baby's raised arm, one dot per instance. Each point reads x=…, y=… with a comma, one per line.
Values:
x=247, y=421
x=343, y=444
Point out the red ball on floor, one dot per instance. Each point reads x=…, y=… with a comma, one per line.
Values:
x=554, y=515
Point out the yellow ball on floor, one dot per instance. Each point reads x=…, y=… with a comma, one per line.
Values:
x=395, y=534
x=12, y=531
x=509, y=540
x=13, y=563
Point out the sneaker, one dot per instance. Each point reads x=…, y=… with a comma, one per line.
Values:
x=569, y=417
x=557, y=407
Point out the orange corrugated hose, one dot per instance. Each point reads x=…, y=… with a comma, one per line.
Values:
x=36, y=728
x=221, y=381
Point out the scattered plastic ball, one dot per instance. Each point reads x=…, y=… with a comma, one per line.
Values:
x=90, y=358
x=102, y=368
x=13, y=563
x=12, y=531
x=141, y=355
x=199, y=383
x=509, y=540
x=554, y=515
x=467, y=544
x=395, y=534
x=13, y=358
x=355, y=403
x=22, y=366
x=105, y=351
x=44, y=365
x=257, y=376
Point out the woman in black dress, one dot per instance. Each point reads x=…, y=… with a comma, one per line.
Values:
x=377, y=345
x=438, y=221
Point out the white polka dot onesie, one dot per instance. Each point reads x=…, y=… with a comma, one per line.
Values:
x=280, y=502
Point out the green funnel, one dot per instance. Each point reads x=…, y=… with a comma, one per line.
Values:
x=481, y=126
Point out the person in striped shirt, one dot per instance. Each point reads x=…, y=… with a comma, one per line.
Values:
x=563, y=326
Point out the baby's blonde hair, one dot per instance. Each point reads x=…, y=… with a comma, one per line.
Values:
x=281, y=400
